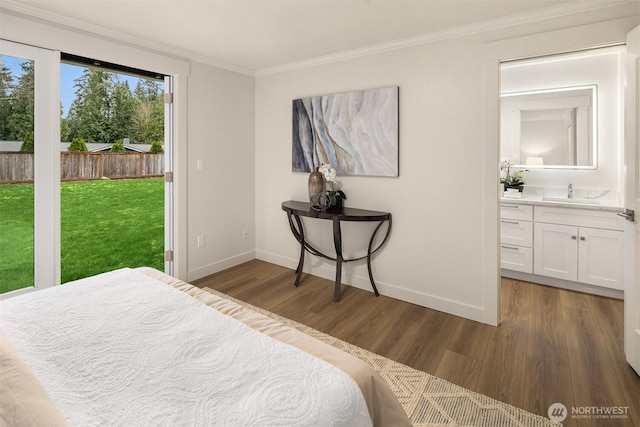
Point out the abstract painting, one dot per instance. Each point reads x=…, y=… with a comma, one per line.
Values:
x=355, y=132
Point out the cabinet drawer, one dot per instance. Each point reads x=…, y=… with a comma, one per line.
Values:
x=519, y=233
x=579, y=217
x=515, y=211
x=516, y=258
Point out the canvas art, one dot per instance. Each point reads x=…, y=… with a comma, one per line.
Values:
x=355, y=132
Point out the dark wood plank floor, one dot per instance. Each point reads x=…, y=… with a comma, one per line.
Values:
x=553, y=345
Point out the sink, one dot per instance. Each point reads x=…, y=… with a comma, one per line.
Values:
x=567, y=200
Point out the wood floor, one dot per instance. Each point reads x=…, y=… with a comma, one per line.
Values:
x=553, y=345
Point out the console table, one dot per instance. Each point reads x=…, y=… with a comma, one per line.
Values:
x=295, y=210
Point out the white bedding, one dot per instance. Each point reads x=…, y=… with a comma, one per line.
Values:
x=123, y=349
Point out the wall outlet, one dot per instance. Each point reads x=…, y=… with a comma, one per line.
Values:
x=245, y=233
x=201, y=240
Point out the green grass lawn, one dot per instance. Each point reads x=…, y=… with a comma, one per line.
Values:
x=106, y=224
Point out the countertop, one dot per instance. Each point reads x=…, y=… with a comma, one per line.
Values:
x=593, y=204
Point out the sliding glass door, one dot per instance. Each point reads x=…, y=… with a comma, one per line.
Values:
x=39, y=215
x=29, y=167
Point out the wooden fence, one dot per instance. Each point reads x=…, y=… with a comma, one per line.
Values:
x=75, y=166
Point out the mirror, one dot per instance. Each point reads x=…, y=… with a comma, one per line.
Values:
x=550, y=128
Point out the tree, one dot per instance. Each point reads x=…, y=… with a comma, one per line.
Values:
x=77, y=144
x=123, y=106
x=17, y=104
x=20, y=121
x=148, y=90
x=155, y=129
x=65, y=129
x=6, y=83
x=105, y=109
x=28, y=143
x=156, y=147
x=118, y=147
x=148, y=119
x=90, y=113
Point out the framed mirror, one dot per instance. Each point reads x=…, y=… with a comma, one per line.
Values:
x=550, y=128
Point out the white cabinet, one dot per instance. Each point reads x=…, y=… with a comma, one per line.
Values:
x=600, y=257
x=516, y=237
x=556, y=251
x=577, y=245
x=579, y=253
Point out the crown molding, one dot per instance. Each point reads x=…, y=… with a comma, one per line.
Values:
x=65, y=22
x=562, y=10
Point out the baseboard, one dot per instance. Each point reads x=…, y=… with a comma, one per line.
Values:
x=564, y=284
x=217, y=266
x=318, y=267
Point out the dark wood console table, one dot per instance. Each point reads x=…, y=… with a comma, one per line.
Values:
x=295, y=210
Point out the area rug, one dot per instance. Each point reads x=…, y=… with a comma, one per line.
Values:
x=427, y=400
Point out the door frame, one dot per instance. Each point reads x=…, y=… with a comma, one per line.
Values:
x=632, y=201
x=583, y=37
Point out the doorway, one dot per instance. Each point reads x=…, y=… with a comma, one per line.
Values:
x=46, y=250
x=112, y=167
x=560, y=135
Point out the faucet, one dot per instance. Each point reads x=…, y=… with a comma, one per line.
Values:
x=570, y=192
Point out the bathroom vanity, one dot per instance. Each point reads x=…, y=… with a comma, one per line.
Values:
x=570, y=243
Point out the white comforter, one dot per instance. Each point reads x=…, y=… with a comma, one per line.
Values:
x=122, y=349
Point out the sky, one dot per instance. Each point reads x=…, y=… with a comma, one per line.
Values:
x=68, y=74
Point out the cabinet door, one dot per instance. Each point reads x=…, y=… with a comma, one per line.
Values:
x=555, y=251
x=600, y=257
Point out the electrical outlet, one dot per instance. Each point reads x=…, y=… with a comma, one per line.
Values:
x=201, y=240
x=245, y=233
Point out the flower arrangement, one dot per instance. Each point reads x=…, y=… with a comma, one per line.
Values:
x=334, y=186
x=508, y=178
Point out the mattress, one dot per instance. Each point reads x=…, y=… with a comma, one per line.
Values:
x=123, y=348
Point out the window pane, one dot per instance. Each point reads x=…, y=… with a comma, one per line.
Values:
x=16, y=173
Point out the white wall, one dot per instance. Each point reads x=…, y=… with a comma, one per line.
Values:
x=429, y=201
x=221, y=196
x=443, y=248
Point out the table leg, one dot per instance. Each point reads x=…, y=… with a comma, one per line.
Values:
x=337, y=240
x=370, y=252
x=373, y=284
x=298, y=232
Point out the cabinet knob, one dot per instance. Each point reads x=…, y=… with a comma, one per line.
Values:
x=583, y=238
x=574, y=237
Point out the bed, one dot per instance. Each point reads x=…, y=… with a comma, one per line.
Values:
x=136, y=347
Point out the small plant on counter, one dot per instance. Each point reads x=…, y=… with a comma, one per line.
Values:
x=511, y=178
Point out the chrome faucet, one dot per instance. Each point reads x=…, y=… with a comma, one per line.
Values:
x=570, y=192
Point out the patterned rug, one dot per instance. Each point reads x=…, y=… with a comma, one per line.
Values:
x=428, y=400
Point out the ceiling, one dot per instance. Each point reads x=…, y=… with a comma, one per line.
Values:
x=254, y=35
